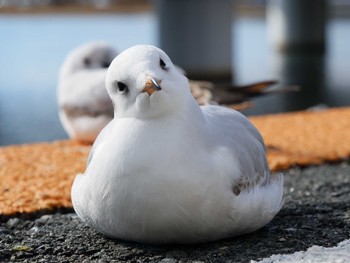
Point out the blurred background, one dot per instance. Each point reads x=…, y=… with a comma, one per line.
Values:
x=296, y=42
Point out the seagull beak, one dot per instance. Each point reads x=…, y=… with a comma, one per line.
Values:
x=151, y=86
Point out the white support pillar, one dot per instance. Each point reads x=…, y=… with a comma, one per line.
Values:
x=197, y=35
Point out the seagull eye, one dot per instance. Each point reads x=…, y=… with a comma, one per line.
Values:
x=105, y=64
x=122, y=87
x=87, y=61
x=162, y=64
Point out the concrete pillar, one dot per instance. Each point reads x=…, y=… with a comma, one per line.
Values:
x=297, y=25
x=196, y=34
x=306, y=71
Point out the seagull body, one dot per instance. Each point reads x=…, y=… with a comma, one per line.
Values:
x=166, y=170
x=84, y=104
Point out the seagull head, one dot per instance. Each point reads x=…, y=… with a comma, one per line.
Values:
x=93, y=55
x=143, y=83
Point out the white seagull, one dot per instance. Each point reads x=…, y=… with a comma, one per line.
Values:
x=84, y=104
x=166, y=170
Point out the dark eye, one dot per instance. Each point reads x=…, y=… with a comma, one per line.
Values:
x=105, y=64
x=122, y=87
x=162, y=64
x=87, y=61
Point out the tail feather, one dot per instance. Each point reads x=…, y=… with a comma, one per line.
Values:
x=228, y=94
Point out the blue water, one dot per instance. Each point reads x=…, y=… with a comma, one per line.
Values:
x=33, y=47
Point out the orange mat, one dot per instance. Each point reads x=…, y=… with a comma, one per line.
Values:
x=39, y=176
x=305, y=138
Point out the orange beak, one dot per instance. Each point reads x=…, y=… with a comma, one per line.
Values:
x=151, y=86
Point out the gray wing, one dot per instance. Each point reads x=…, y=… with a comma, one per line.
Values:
x=234, y=131
x=99, y=140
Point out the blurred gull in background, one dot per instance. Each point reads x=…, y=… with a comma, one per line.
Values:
x=84, y=105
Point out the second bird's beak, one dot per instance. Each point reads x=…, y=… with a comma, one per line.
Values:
x=151, y=86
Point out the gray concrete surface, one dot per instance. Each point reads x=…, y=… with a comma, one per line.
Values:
x=316, y=212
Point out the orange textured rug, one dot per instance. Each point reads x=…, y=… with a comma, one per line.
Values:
x=39, y=176
x=305, y=138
